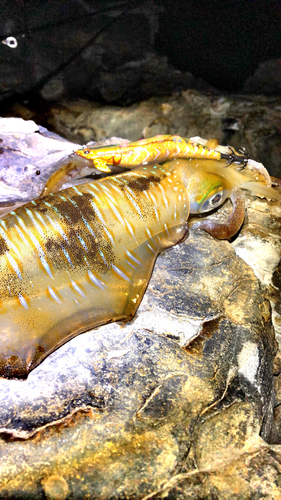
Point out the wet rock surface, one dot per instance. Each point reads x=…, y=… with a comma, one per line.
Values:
x=27, y=158
x=179, y=402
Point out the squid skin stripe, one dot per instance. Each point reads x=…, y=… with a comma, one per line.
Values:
x=133, y=200
x=154, y=204
x=22, y=301
x=96, y=281
x=115, y=211
x=9, y=243
x=94, y=186
x=14, y=265
x=55, y=209
x=148, y=232
x=87, y=225
x=54, y=295
x=133, y=257
x=82, y=243
x=105, y=188
x=104, y=226
x=58, y=228
x=164, y=197
x=77, y=288
x=150, y=248
x=38, y=227
x=77, y=190
x=113, y=186
x=20, y=233
x=130, y=264
x=39, y=216
x=166, y=229
x=67, y=256
x=131, y=231
x=49, y=205
x=97, y=211
x=41, y=254
x=120, y=272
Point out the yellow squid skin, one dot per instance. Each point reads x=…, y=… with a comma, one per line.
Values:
x=83, y=257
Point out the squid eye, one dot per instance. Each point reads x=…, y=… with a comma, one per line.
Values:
x=214, y=201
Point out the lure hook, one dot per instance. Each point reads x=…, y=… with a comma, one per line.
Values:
x=240, y=157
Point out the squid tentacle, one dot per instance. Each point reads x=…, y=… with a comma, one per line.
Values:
x=228, y=229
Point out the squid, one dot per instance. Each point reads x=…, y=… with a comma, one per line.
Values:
x=81, y=257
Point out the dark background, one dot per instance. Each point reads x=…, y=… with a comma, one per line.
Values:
x=125, y=51
x=222, y=42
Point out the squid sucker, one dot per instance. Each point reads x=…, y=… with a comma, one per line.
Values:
x=82, y=257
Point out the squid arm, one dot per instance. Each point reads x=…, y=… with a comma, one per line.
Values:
x=231, y=226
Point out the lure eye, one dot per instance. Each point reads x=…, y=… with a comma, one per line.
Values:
x=213, y=202
x=86, y=152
